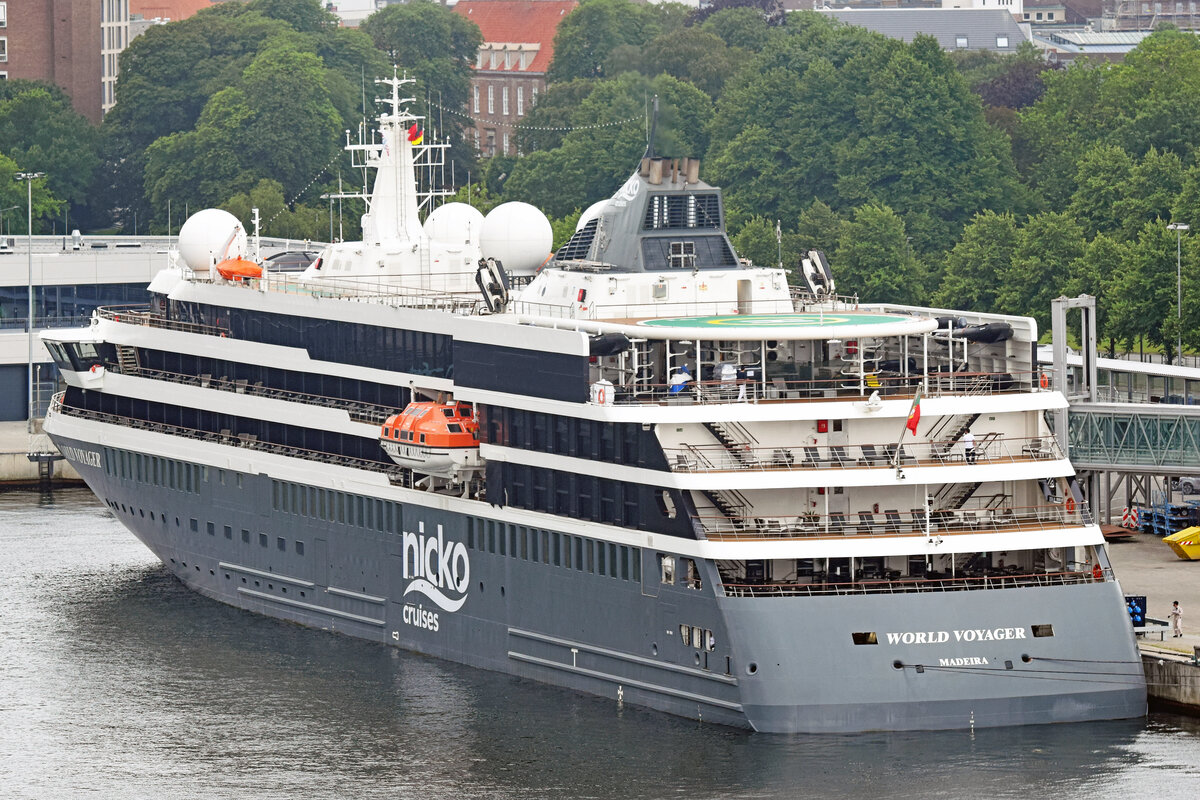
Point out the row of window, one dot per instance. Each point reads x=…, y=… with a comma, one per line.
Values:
x=232, y=428
x=614, y=442
x=319, y=384
x=392, y=349
x=281, y=544
x=555, y=549
x=587, y=497
x=155, y=471
x=333, y=506
x=63, y=305
x=504, y=107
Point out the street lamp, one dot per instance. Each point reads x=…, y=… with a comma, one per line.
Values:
x=29, y=178
x=1179, y=228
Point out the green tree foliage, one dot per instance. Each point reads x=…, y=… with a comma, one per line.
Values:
x=853, y=119
x=1142, y=294
x=745, y=28
x=1097, y=273
x=14, y=199
x=756, y=241
x=690, y=54
x=437, y=47
x=874, y=259
x=297, y=222
x=970, y=279
x=1151, y=100
x=590, y=33
x=307, y=16
x=818, y=228
x=573, y=175
x=41, y=132
x=277, y=121
x=1046, y=247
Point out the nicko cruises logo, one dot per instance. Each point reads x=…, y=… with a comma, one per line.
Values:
x=437, y=569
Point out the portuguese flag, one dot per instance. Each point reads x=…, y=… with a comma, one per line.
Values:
x=914, y=413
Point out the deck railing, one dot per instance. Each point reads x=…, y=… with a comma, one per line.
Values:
x=227, y=437
x=892, y=523
x=846, y=387
x=718, y=458
x=909, y=585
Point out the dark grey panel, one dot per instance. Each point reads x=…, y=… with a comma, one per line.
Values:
x=554, y=376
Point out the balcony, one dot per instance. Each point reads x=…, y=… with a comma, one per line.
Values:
x=719, y=458
x=1000, y=580
x=892, y=523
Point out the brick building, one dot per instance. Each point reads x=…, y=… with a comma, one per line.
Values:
x=510, y=71
x=73, y=43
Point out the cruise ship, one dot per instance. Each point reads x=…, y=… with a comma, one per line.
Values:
x=641, y=468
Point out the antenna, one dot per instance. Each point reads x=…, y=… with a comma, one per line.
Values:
x=653, y=130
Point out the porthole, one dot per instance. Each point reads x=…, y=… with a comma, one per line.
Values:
x=751, y=668
x=502, y=591
x=1026, y=658
x=172, y=561
x=654, y=648
x=897, y=665
x=302, y=593
x=697, y=659
x=210, y=572
x=481, y=587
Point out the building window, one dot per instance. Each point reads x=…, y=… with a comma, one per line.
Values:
x=506, y=144
x=3, y=49
x=3, y=15
x=960, y=42
x=491, y=99
x=476, y=98
x=1001, y=41
x=1038, y=15
x=520, y=101
x=533, y=95
x=1049, y=15
x=476, y=132
x=491, y=143
x=504, y=101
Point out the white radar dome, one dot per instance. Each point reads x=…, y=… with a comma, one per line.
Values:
x=591, y=213
x=455, y=223
x=518, y=235
x=209, y=236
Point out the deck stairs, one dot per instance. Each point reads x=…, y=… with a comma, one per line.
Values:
x=736, y=440
x=127, y=359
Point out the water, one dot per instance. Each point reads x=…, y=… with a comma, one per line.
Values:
x=117, y=682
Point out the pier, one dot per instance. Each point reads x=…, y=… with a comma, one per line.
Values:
x=31, y=460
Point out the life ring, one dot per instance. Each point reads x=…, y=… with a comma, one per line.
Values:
x=1097, y=572
x=1070, y=505
x=600, y=396
x=94, y=368
x=1045, y=381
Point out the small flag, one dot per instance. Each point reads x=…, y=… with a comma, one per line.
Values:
x=415, y=134
x=914, y=414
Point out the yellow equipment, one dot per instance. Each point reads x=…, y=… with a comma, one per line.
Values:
x=1186, y=543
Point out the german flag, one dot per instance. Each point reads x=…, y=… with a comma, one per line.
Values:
x=415, y=135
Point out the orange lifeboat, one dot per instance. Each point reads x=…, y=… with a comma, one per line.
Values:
x=434, y=438
x=238, y=269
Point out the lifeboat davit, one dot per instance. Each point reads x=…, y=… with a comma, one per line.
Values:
x=434, y=438
x=238, y=269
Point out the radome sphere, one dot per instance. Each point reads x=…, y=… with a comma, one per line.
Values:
x=518, y=235
x=209, y=236
x=455, y=224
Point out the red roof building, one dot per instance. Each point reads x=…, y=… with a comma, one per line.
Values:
x=167, y=9
x=510, y=71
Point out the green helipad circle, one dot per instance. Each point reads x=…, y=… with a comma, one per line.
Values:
x=803, y=320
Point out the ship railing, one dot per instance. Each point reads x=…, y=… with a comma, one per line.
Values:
x=358, y=410
x=741, y=458
x=846, y=387
x=225, y=436
x=892, y=523
x=143, y=315
x=456, y=294
x=999, y=579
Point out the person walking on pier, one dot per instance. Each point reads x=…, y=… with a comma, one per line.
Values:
x=1176, y=620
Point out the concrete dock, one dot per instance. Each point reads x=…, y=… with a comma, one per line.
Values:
x=1147, y=566
x=17, y=470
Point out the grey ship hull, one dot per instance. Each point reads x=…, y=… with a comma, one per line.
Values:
x=779, y=664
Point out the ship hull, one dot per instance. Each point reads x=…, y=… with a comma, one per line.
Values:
x=772, y=665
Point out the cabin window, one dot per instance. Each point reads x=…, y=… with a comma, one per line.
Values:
x=422, y=438
x=454, y=427
x=691, y=575
x=867, y=637
x=667, y=568
x=685, y=635
x=1042, y=631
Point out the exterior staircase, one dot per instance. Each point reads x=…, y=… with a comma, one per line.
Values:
x=736, y=440
x=127, y=359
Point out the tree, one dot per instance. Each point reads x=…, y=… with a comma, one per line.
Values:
x=690, y=54
x=974, y=268
x=874, y=259
x=1097, y=272
x=308, y=16
x=14, y=193
x=1046, y=246
x=745, y=27
x=818, y=228
x=41, y=131
x=596, y=28
x=609, y=121
x=277, y=122
x=298, y=222
x=437, y=47
x=1145, y=288
x=1101, y=180
x=756, y=241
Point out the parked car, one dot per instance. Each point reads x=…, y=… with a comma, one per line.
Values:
x=1188, y=484
x=290, y=261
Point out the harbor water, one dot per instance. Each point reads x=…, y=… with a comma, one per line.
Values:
x=115, y=681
